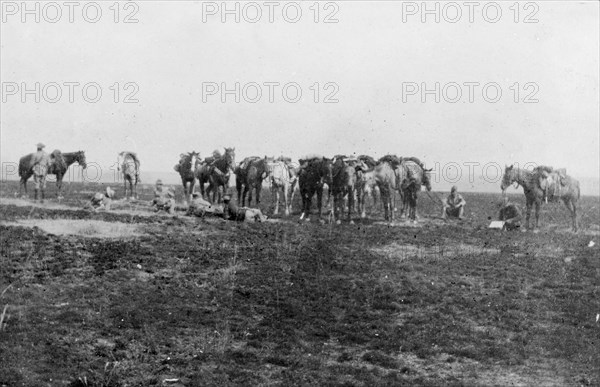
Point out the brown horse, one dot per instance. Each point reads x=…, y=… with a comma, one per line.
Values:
x=411, y=175
x=568, y=191
x=313, y=173
x=186, y=170
x=215, y=171
x=343, y=185
x=131, y=172
x=59, y=163
x=249, y=176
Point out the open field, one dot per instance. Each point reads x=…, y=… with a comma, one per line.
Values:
x=133, y=298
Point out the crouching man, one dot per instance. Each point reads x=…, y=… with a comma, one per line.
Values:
x=454, y=206
x=101, y=200
x=511, y=215
x=164, y=198
x=241, y=214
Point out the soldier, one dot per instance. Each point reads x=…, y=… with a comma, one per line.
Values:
x=40, y=163
x=511, y=215
x=200, y=207
x=241, y=214
x=101, y=200
x=164, y=198
x=454, y=205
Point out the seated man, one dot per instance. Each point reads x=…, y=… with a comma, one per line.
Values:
x=241, y=214
x=101, y=200
x=164, y=198
x=454, y=206
x=511, y=215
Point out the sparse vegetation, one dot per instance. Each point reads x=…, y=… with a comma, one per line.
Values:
x=207, y=302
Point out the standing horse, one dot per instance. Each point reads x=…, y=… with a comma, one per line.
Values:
x=569, y=193
x=249, y=176
x=365, y=183
x=218, y=174
x=131, y=172
x=411, y=175
x=343, y=185
x=386, y=178
x=314, y=172
x=186, y=170
x=59, y=163
x=283, y=177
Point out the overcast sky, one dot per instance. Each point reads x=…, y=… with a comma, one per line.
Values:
x=367, y=59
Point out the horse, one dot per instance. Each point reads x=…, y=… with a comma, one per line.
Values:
x=283, y=177
x=343, y=185
x=411, y=175
x=249, y=176
x=216, y=173
x=563, y=188
x=313, y=173
x=59, y=163
x=387, y=181
x=131, y=172
x=186, y=170
x=365, y=183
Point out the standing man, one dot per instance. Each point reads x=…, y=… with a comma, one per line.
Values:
x=454, y=206
x=39, y=163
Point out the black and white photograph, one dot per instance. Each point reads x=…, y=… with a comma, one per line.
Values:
x=299, y=193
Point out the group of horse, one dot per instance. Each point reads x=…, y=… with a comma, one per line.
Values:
x=350, y=180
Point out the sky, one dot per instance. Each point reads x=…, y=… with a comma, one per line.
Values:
x=366, y=71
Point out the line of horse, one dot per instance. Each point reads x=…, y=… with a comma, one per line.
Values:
x=350, y=180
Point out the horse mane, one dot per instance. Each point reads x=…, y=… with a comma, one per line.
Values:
x=393, y=160
x=369, y=161
x=414, y=160
x=133, y=155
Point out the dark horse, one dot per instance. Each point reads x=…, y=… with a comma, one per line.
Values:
x=529, y=180
x=59, y=163
x=311, y=177
x=186, y=169
x=343, y=185
x=215, y=171
x=249, y=176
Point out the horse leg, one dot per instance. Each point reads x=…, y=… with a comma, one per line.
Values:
x=350, y=203
x=537, y=214
x=573, y=210
x=58, y=186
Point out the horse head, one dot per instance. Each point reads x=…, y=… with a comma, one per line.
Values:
x=427, y=178
x=80, y=158
x=229, y=157
x=508, y=178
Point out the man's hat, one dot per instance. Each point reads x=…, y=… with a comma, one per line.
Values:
x=226, y=198
x=40, y=145
x=159, y=182
x=109, y=192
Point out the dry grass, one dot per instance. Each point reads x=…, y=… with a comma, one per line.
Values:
x=85, y=228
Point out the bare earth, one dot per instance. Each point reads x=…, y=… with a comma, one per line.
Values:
x=134, y=298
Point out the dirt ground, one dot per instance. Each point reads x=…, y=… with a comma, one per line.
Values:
x=134, y=298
